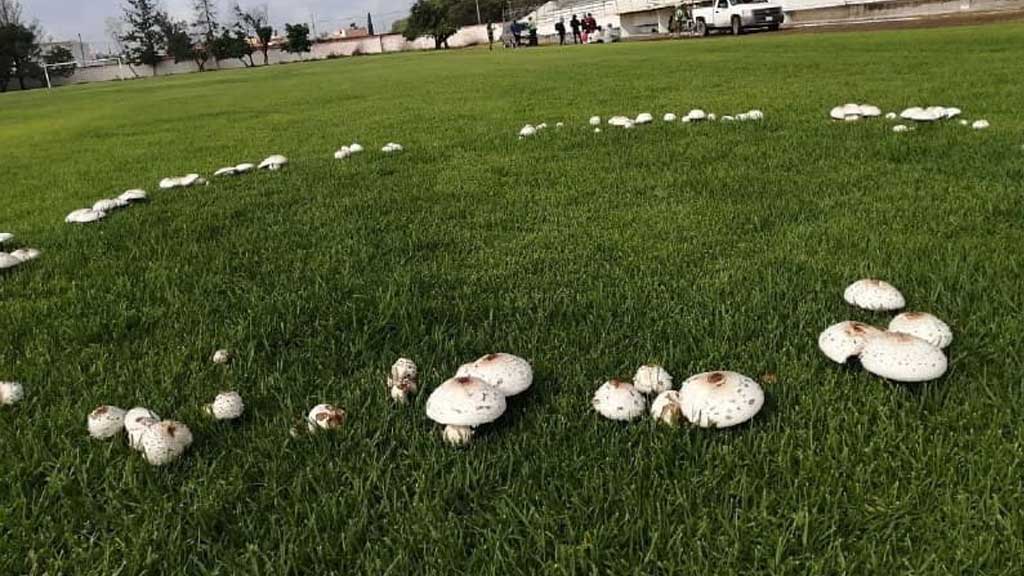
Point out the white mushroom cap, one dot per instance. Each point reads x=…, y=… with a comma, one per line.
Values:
x=743, y=117
x=628, y=124
x=720, y=399
x=109, y=204
x=559, y=124
x=595, y=120
x=226, y=171
x=711, y=117
x=900, y=128
x=902, y=358
x=325, y=417
x=355, y=148
x=165, y=441
x=542, y=125
x=342, y=153
x=851, y=109
x=465, y=401
x=106, y=422
x=189, y=180
x=891, y=116
x=872, y=294
x=923, y=325
x=84, y=216
x=273, y=162
x=25, y=254
x=11, y=393
x=652, y=379
x=618, y=121
x=666, y=408
x=964, y=122
x=136, y=421
x=644, y=118
x=846, y=339
x=168, y=183
x=227, y=406
x=980, y=124
x=755, y=115
x=509, y=373
x=5, y=236
x=134, y=195
x=837, y=113
x=8, y=260
x=527, y=131
x=617, y=400
x=402, y=379
x=669, y=117
x=221, y=357
x=911, y=113
x=391, y=147
x=696, y=114
x=597, y=130
x=869, y=111
x=244, y=167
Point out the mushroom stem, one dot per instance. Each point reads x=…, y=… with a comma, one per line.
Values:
x=458, y=435
x=671, y=415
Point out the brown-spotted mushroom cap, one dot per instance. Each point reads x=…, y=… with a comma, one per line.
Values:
x=925, y=326
x=105, y=422
x=903, y=358
x=720, y=399
x=617, y=400
x=465, y=401
x=872, y=294
x=841, y=341
x=507, y=372
x=325, y=417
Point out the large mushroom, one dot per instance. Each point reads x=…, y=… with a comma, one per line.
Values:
x=105, y=422
x=26, y=254
x=720, y=399
x=8, y=260
x=846, y=339
x=925, y=326
x=618, y=400
x=274, y=162
x=463, y=403
x=134, y=195
x=165, y=441
x=507, y=372
x=873, y=294
x=903, y=358
x=652, y=379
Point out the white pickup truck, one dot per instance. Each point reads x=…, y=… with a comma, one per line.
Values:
x=737, y=15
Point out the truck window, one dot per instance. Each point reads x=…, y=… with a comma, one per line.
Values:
x=723, y=3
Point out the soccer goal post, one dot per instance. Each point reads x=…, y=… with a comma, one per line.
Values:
x=76, y=65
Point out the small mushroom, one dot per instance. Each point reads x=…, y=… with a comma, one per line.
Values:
x=891, y=116
x=11, y=393
x=5, y=236
x=325, y=417
x=226, y=406
x=559, y=124
x=342, y=153
x=617, y=400
x=134, y=195
x=595, y=120
x=190, y=180
x=402, y=380
x=711, y=117
x=527, y=131
x=109, y=205
x=844, y=340
x=644, y=118
x=597, y=130
x=355, y=148
x=755, y=115
x=463, y=403
x=391, y=147
x=221, y=357
x=837, y=113
x=509, y=373
x=666, y=408
x=669, y=117
x=900, y=128
x=925, y=326
x=652, y=379
x=720, y=399
x=8, y=261
x=84, y=216
x=25, y=254
x=903, y=358
x=980, y=124
x=873, y=294
x=105, y=422
x=273, y=162
x=136, y=422
x=163, y=442
x=620, y=121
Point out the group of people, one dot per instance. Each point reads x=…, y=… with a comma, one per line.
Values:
x=517, y=29
x=582, y=30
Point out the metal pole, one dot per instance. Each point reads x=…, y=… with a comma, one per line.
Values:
x=120, y=69
x=478, y=21
x=81, y=47
x=46, y=71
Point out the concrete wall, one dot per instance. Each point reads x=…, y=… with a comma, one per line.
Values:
x=805, y=11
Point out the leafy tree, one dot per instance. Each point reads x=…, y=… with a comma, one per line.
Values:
x=60, y=55
x=430, y=18
x=145, y=40
x=297, y=38
x=233, y=44
x=181, y=46
x=399, y=26
x=19, y=46
x=205, y=24
x=255, y=24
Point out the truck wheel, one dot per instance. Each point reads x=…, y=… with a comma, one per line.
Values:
x=737, y=26
x=774, y=28
x=701, y=28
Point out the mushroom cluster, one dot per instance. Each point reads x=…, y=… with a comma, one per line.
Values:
x=160, y=441
x=852, y=112
x=16, y=257
x=101, y=208
x=346, y=151
x=909, y=350
x=708, y=400
x=391, y=148
x=186, y=181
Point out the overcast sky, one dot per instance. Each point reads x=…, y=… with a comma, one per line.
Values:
x=65, y=19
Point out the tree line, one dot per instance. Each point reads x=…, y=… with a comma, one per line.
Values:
x=21, y=56
x=440, y=19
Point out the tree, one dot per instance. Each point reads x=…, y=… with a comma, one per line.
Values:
x=297, y=38
x=205, y=26
x=399, y=26
x=60, y=55
x=430, y=18
x=233, y=44
x=145, y=40
x=255, y=24
x=369, y=24
x=181, y=46
x=19, y=46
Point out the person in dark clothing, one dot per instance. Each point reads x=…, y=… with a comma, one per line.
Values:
x=490, y=36
x=575, y=25
x=560, y=28
x=532, y=27
x=517, y=34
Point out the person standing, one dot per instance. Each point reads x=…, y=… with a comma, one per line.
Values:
x=575, y=25
x=533, y=31
x=517, y=31
x=560, y=28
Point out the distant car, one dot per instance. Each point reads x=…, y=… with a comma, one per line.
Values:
x=737, y=16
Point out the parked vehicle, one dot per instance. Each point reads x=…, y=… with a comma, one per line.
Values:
x=737, y=16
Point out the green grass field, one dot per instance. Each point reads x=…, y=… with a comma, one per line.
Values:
x=701, y=247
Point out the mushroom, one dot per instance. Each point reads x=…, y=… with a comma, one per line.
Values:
x=595, y=120
x=5, y=236
x=391, y=147
x=666, y=408
x=696, y=115
x=923, y=325
x=900, y=128
x=617, y=400
x=891, y=116
x=227, y=171
x=644, y=118
x=869, y=111
x=711, y=117
x=134, y=195
x=527, y=131
x=463, y=403
x=342, y=153
x=325, y=417
x=165, y=441
x=872, y=294
x=980, y=124
x=402, y=380
x=755, y=115
x=136, y=422
x=168, y=183
x=84, y=216
x=952, y=112
x=221, y=357
x=902, y=358
x=597, y=130
x=669, y=117
x=25, y=254
x=911, y=113
x=559, y=124
x=11, y=393
x=727, y=118
x=542, y=125
x=8, y=261
x=244, y=167
x=190, y=180
x=226, y=406
x=618, y=121
x=105, y=422
x=720, y=399
x=509, y=373
x=846, y=339
x=964, y=122
x=274, y=162
x=652, y=379
x=109, y=205
x=837, y=113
